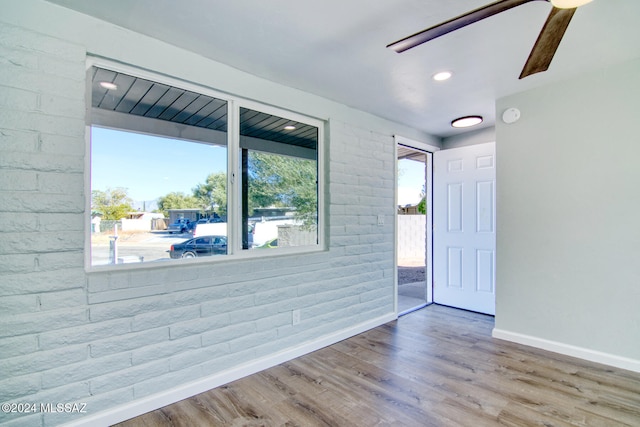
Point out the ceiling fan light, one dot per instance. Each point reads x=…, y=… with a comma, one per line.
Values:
x=467, y=121
x=569, y=4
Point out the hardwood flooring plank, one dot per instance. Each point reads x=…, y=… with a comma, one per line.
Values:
x=516, y=415
x=435, y=367
x=366, y=382
x=450, y=376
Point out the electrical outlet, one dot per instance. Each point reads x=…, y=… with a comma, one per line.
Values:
x=295, y=317
x=380, y=219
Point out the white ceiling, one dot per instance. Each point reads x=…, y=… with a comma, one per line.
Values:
x=336, y=48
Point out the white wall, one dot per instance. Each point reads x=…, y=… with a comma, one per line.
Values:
x=412, y=236
x=136, y=224
x=568, y=209
x=479, y=136
x=124, y=342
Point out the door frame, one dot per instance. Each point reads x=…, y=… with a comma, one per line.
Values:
x=428, y=149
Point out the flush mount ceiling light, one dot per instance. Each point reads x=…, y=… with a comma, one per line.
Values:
x=109, y=85
x=467, y=121
x=569, y=4
x=442, y=76
x=289, y=127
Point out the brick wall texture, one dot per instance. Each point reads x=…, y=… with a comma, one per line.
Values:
x=108, y=338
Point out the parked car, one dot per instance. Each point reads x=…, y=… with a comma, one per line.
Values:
x=206, y=221
x=199, y=246
x=181, y=225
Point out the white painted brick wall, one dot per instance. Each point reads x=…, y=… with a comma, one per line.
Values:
x=198, y=326
x=162, y=351
x=42, y=360
x=85, y=370
x=130, y=341
x=126, y=378
x=106, y=338
x=84, y=334
x=42, y=201
x=164, y=318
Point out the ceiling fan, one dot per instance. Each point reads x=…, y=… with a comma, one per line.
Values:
x=544, y=48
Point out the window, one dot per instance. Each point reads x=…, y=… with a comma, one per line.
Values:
x=280, y=181
x=164, y=168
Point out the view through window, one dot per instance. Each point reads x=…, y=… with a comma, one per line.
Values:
x=149, y=192
x=159, y=177
x=280, y=181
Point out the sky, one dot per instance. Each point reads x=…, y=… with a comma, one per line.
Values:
x=150, y=167
x=411, y=179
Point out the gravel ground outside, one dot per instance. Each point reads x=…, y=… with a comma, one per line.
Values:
x=411, y=274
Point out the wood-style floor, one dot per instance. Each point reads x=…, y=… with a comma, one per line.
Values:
x=435, y=367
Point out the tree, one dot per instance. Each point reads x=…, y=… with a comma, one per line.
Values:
x=274, y=180
x=177, y=200
x=283, y=181
x=422, y=206
x=212, y=195
x=112, y=204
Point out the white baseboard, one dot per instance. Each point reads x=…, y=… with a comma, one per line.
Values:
x=150, y=403
x=569, y=350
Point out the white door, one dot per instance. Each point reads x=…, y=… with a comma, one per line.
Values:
x=464, y=236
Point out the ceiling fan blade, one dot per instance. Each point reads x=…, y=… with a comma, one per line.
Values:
x=548, y=41
x=455, y=24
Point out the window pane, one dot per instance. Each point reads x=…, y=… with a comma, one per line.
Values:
x=280, y=175
x=158, y=169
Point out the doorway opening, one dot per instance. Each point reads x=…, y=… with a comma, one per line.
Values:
x=414, y=226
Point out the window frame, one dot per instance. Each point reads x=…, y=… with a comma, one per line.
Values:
x=234, y=173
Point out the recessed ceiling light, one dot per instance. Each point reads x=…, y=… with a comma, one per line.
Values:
x=465, y=122
x=289, y=127
x=109, y=85
x=443, y=75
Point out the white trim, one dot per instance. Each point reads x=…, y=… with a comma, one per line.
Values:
x=429, y=177
x=234, y=103
x=87, y=172
x=234, y=175
x=395, y=227
x=429, y=254
x=176, y=394
x=569, y=350
x=415, y=144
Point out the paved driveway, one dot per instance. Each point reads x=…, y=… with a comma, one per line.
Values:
x=132, y=247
